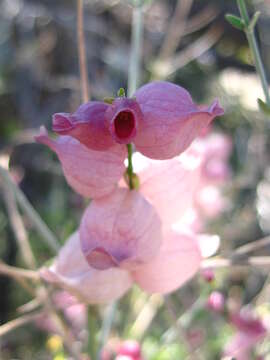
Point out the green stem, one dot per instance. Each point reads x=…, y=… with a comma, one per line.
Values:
x=136, y=46
x=130, y=166
x=134, y=68
x=254, y=48
x=106, y=328
x=92, y=331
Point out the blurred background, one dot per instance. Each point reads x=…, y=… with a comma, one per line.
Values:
x=186, y=42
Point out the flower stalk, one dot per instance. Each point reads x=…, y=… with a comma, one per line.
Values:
x=249, y=26
x=134, y=69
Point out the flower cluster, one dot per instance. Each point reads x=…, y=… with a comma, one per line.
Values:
x=144, y=235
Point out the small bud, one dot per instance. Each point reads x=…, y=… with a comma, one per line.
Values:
x=130, y=348
x=121, y=92
x=216, y=301
x=208, y=275
x=235, y=21
x=265, y=108
x=109, y=100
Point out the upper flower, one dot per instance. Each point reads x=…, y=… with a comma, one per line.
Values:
x=161, y=120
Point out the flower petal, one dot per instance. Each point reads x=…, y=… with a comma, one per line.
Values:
x=87, y=125
x=171, y=121
x=169, y=185
x=71, y=272
x=90, y=173
x=179, y=259
x=122, y=228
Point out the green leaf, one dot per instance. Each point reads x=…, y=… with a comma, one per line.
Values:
x=235, y=21
x=265, y=108
x=121, y=92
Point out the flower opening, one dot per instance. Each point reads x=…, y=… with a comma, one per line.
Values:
x=124, y=124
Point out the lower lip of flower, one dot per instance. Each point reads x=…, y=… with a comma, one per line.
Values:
x=124, y=126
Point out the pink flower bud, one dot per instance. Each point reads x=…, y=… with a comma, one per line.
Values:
x=216, y=301
x=208, y=275
x=130, y=348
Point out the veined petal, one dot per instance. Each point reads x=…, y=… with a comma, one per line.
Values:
x=121, y=229
x=87, y=125
x=178, y=260
x=71, y=272
x=169, y=185
x=90, y=173
x=171, y=121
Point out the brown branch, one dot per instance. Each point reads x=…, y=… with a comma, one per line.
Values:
x=82, y=53
x=183, y=339
x=163, y=69
x=14, y=324
x=200, y=20
x=259, y=261
x=176, y=29
x=18, y=228
x=16, y=272
x=197, y=48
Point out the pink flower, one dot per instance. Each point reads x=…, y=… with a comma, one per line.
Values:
x=216, y=301
x=130, y=349
x=124, y=229
x=250, y=331
x=91, y=173
x=215, y=149
x=70, y=271
x=161, y=120
x=74, y=312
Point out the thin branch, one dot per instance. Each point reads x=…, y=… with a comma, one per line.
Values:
x=200, y=20
x=251, y=247
x=18, y=228
x=136, y=48
x=16, y=272
x=36, y=220
x=106, y=328
x=163, y=69
x=259, y=261
x=82, y=53
x=22, y=320
x=181, y=332
x=145, y=316
x=176, y=29
x=253, y=45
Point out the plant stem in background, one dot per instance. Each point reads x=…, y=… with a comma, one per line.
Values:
x=249, y=30
x=36, y=220
x=134, y=67
x=181, y=332
x=106, y=328
x=18, y=228
x=82, y=53
x=136, y=46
